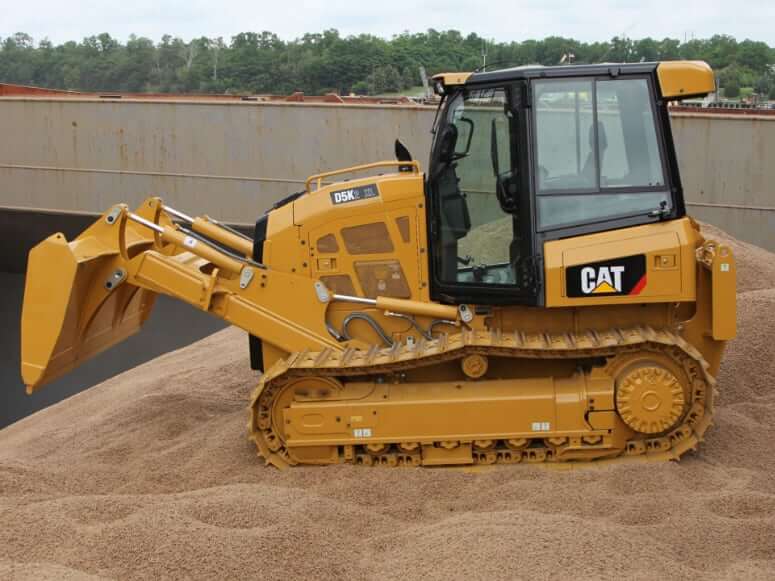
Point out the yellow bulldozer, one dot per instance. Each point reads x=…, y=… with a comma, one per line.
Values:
x=538, y=295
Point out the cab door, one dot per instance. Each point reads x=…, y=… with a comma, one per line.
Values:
x=481, y=226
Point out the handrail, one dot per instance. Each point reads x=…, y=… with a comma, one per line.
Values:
x=319, y=177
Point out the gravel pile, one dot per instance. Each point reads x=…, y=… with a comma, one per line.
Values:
x=149, y=475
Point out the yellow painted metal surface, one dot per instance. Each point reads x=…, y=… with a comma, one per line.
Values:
x=670, y=262
x=229, y=239
x=450, y=79
x=724, y=273
x=682, y=79
x=429, y=412
x=105, y=281
x=719, y=276
x=421, y=309
x=69, y=315
x=318, y=178
x=314, y=409
x=280, y=304
x=401, y=198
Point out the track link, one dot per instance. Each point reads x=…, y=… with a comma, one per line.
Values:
x=610, y=345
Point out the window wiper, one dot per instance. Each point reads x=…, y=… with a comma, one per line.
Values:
x=662, y=212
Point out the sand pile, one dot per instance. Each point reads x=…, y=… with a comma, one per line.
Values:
x=149, y=475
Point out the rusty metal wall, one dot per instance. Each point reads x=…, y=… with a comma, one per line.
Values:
x=728, y=171
x=230, y=160
x=234, y=159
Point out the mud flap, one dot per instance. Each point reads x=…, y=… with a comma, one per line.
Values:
x=76, y=304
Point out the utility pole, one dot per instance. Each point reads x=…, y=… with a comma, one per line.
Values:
x=215, y=46
x=426, y=86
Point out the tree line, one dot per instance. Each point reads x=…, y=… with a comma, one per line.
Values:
x=326, y=62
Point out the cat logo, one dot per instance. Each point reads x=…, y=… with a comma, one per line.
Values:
x=619, y=276
x=606, y=279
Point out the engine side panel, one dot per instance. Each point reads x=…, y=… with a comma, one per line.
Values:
x=654, y=263
x=364, y=237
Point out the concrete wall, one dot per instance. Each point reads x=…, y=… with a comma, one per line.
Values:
x=232, y=160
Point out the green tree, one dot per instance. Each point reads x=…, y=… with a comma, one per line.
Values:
x=361, y=88
x=139, y=65
x=384, y=79
x=646, y=49
x=669, y=49
x=410, y=77
x=723, y=49
x=732, y=89
x=728, y=75
x=753, y=55
x=762, y=85
x=621, y=50
x=315, y=63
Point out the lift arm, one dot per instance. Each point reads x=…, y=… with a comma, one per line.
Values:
x=84, y=296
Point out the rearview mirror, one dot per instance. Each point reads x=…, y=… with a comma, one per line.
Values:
x=455, y=140
x=465, y=130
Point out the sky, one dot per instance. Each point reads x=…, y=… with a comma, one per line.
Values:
x=500, y=20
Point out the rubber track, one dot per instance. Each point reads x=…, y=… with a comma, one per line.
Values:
x=589, y=344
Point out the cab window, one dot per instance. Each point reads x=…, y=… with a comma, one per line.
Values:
x=597, y=153
x=476, y=234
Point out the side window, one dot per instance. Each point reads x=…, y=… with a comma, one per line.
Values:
x=627, y=138
x=477, y=236
x=597, y=151
x=566, y=152
x=488, y=239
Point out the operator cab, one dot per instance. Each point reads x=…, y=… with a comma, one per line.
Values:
x=521, y=156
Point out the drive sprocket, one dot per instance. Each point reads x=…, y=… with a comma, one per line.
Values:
x=649, y=398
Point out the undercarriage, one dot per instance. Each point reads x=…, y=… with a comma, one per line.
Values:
x=481, y=398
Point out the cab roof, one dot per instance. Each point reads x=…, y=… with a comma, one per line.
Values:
x=677, y=79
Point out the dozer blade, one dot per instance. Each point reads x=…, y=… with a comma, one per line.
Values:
x=73, y=307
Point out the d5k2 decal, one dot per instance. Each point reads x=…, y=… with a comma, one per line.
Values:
x=618, y=276
x=354, y=194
